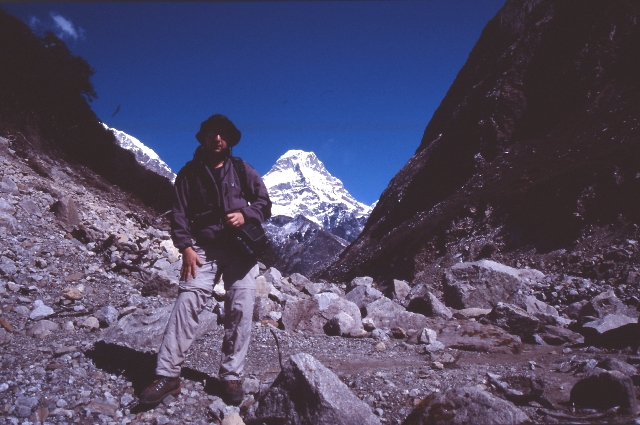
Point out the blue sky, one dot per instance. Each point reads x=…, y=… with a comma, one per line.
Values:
x=355, y=82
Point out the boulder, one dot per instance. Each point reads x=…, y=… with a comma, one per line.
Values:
x=273, y=276
x=143, y=329
x=400, y=289
x=556, y=335
x=359, y=281
x=339, y=325
x=612, y=331
x=611, y=363
x=107, y=316
x=484, y=283
x=6, y=207
x=474, y=336
x=262, y=307
x=385, y=313
x=7, y=266
x=363, y=295
x=513, y=319
x=66, y=212
x=424, y=302
x=7, y=221
x=159, y=284
x=307, y=393
x=312, y=314
x=7, y=185
x=298, y=281
x=30, y=207
x=604, y=304
x=465, y=405
x=606, y=390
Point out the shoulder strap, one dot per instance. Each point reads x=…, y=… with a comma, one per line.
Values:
x=241, y=171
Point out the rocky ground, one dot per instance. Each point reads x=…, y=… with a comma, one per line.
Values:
x=87, y=276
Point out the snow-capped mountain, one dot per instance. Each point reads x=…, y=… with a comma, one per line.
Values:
x=299, y=184
x=144, y=155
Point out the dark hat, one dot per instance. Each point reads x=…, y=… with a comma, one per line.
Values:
x=221, y=124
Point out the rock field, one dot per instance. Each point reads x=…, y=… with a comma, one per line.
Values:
x=87, y=279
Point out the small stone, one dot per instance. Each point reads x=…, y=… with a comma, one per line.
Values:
x=380, y=346
x=73, y=294
x=251, y=385
x=126, y=399
x=91, y=323
x=107, y=316
x=68, y=326
x=42, y=329
x=40, y=311
x=437, y=365
x=232, y=419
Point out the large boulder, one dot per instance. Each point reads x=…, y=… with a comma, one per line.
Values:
x=465, y=405
x=422, y=301
x=307, y=393
x=514, y=319
x=606, y=390
x=363, y=295
x=484, y=283
x=469, y=335
x=613, y=331
x=385, y=313
x=604, y=304
x=312, y=314
x=143, y=330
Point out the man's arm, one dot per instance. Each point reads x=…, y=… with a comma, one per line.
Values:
x=180, y=231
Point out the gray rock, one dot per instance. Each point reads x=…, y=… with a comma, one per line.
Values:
x=298, y=280
x=30, y=207
x=273, y=275
x=514, y=319
x=311, y=315
x=484, y=283
x=606, y=390
x=7, y=221
x=340, y=324
x=573, y=310
x=359, y=281
x=7, y=266
x=262, y=307
x=66, y=212
x=143, y=330
x=421, y=301
x=7, y=185
x=604, y=304
x=159, y=284
x=5, y=337
x=40, y=311
x=307, y=393
x=363, y=295
x=611, y=363
x=6, y=207
x=556, y=335
x=42, y=328
x=387, y=314
x=466, y=405
x=107, y=316
x=613, y=331
x=401, y=289
x=474, y=336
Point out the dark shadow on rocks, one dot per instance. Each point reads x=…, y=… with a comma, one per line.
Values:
x=137, y=367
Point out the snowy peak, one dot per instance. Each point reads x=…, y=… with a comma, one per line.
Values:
x=143, y=154
x=299, y=183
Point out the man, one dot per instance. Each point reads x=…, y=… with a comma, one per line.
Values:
x=209, y=205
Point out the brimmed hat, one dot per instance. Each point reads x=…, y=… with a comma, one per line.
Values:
x=221, y=124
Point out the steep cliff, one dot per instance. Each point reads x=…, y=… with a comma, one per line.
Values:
x=535, y=148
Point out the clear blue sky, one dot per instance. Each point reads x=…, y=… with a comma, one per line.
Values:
x=355, y=82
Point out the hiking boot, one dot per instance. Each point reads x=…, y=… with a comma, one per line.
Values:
x=161, y=388
x=233, y=392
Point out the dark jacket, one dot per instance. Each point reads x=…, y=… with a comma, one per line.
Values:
x=200, y=205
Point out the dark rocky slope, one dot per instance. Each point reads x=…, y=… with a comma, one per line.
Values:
x=44, y=111
x=532, y=158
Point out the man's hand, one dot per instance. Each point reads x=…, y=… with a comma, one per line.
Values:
x=234, y=219
x=190, y=264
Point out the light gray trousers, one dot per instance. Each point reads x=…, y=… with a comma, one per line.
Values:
x=239, y=274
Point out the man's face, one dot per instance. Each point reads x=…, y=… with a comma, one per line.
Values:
x=215, y=143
